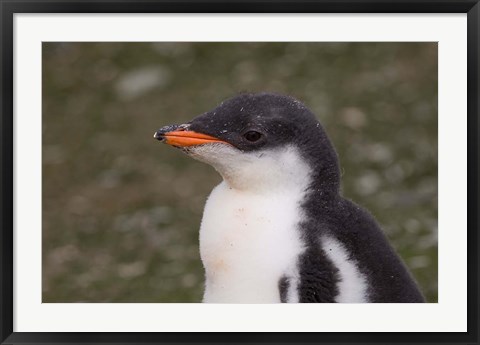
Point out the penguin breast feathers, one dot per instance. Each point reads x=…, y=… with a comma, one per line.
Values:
x=248, y=235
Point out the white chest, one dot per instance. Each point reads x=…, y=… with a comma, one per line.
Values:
x=247, y=242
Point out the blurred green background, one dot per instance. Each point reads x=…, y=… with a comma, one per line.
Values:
x=121, y=212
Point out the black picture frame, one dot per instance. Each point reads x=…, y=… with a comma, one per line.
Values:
x=10, y=7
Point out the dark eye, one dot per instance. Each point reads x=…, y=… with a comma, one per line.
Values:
x=252, y=136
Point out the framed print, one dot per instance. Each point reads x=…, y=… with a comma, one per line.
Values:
x=342, y=203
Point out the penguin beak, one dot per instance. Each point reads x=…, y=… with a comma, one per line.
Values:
x=180, y=136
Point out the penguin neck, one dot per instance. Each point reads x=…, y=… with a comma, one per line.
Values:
x=322, y=157
x=286, y=168
x=273, y=171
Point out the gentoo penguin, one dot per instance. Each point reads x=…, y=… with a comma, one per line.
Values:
x=277, y=229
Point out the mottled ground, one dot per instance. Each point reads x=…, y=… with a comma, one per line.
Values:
x=121, y=211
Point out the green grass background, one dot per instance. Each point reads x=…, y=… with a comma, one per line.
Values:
x=121, y=211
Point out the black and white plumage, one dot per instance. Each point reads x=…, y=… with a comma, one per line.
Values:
x=277, y=229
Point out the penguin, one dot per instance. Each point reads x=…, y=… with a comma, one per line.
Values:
x=277, y=229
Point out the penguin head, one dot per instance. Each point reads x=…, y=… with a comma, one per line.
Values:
x=258, y=140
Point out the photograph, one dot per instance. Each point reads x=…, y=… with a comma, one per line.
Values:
x=239, y=172
x=243, y=172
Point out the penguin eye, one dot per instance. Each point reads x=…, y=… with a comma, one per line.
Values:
x=252, y=136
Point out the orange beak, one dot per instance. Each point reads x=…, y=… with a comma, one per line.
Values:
x=184, y=138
